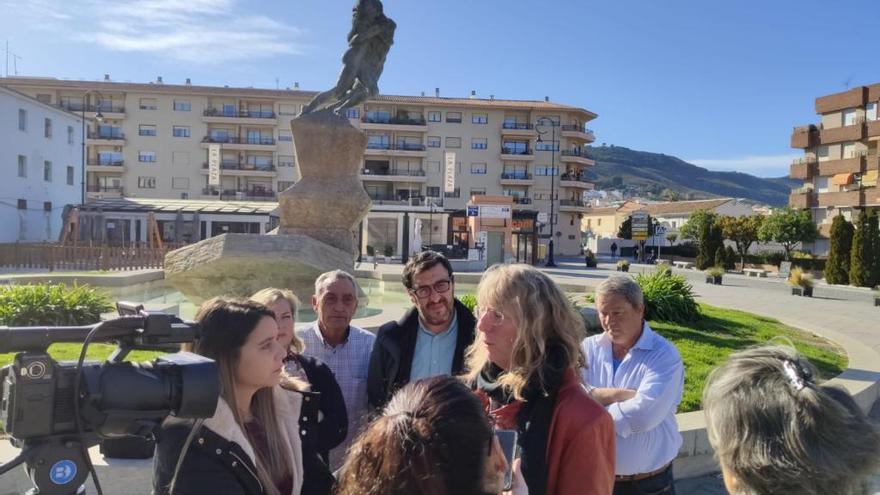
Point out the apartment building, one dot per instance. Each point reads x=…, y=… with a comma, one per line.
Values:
x=40, y=149
x=840, y=163
x=151, y=141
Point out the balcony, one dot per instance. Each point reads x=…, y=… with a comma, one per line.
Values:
x=804, y=137
x=398, y=149
x=518, y=129
x=855, y=198
x=848, y=99
x=393, y=175
x=98, y=191
x=576, y=155
x=578, y=132
x=106, y=166
x=517, y=153
x=873, y=128
x=803, y=169
x=855, y=165
x=394, y=200
x=516, y=179
x=575, y=181
x=106, y=138
x=521, y=202
x=259, y=143
x=240, y=194
x=107, y=111
x=572, y=205
x=399, y=123
x=802, y=198
x=243, y=169
x=855, y=132
x=244, y=117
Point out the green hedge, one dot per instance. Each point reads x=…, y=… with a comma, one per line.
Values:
x=52, y=304
x=668, y=297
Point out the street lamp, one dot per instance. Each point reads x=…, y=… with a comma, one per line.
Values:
x=541, y=122
x=98, y=117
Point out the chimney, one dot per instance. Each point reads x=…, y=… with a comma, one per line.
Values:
x=546, y=98
x=437, y=92
x=473, y=94
x=107, y=77
x=188, y=82
x=296, y=85
x=159, y=80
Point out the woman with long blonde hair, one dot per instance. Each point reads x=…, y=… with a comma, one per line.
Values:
x=525, y=365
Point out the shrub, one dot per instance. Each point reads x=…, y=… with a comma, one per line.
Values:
x=388, y=251
x=371, y=251
x=715, y=271
x=469, y=301
x=837, y=268
x=664, y=268
x=799, y=278
x=668, y=298
x=864, y=262
x=623, y=264
x=52, y=305
x=729, y=258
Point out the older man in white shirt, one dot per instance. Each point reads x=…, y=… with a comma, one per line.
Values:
x=639, y=377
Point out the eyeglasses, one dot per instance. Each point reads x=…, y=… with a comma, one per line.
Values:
x=494, y=316
x=438, y=287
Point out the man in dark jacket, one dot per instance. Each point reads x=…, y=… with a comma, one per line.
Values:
x=431, y=337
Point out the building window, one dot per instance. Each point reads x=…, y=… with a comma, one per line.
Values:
x=453, y=142
x=435, y=117
x=432, y=191
x=478, y=191
x=283, y=185
x=546, y=171
x=453, y=117
x=148, y=104
x=180, y=131
x=47, y=171
x=47, y=206
x=547, y=146
x=147, y=156
x=871, y=111
x=478, y=168
x=22, y=119
x=180, y=183
x=146, y=130
x=285, y=161
x=22, y=204
x=849, y=116
x=453, y=194
x=70, y=134
x=22, y=166
x=284, y=136
x=47, y=127
x=479, y=118
x=351, y=113
x=69, y=175
x=44, y=98
x=479, y=143
x=433, y=141
x=599, y=222
x=146, y=182
x=182, y=105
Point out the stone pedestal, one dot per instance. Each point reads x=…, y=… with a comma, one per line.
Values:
x=329, y=202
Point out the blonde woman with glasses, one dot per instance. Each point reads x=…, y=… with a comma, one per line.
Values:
x=525, y=366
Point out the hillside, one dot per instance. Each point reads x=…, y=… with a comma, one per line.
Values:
x=652, y=173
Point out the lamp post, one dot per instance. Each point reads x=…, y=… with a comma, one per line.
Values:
x=99, y=118
x=542, y=121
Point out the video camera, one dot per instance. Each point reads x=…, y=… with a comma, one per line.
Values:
x=54, y=411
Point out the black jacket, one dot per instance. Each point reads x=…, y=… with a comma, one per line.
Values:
x=391, y=359
x=334, y=425
x=217, y=462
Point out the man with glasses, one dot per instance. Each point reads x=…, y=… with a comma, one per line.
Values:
x=429, y=340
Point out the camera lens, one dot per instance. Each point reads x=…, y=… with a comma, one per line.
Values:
x=36, y=370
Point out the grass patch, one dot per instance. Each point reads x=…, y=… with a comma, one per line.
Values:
x=706, y=343
x=96, y=352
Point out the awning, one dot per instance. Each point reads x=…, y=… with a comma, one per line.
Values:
x=870, y=178
x=842, y=179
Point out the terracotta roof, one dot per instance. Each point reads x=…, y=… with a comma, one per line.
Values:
x=673, y=207
x=606, y=210
x=164, y=88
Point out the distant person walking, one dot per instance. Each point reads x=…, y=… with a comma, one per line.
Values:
x=614, y=250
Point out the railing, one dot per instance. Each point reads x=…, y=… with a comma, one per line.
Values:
x=66, y=257
x=245, y=114
x=513, y=150
x=571, y=202
x=79, y=107
x=803, y=161
x=518, y=200
x=573, y=177
x=241, y=194
x=517, y=126
x=239, y=140
x=396, y=147
x=575, y=152
x=409, y=173
x=516, y=176
x=393, y=120
x=107, y=135
x=243, y=166
x=107, y=163
x=99, y=188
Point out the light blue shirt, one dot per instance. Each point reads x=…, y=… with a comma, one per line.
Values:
x=647, y=436
x=434, y=351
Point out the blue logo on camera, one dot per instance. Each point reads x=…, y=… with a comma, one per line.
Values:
x=63, y=472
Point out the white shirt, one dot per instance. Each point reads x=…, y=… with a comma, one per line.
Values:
x=647, y=436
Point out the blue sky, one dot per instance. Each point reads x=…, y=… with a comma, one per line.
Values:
x=718, y=83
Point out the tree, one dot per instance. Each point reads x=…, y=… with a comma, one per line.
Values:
x=864, y=257
x=719, y=257
x=695, y=224
x=788, y=227
x=710, y=243
x=841, y=240
x=743, y=231
x=671, y=237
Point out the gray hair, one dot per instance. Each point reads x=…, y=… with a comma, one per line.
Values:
x=328, y=278
x=776, y=431
x=621, y=285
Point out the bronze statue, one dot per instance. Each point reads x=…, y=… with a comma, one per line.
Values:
x=371, y=36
